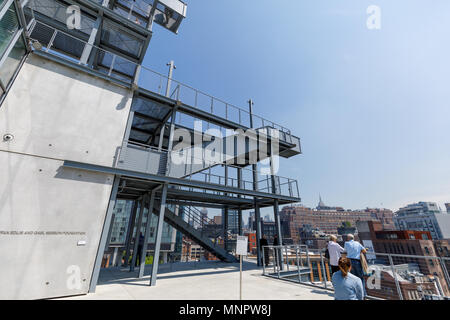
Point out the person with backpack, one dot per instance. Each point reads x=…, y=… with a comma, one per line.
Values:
x=354, y=251
x=334, y=253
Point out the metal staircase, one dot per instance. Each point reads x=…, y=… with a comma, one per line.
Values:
x=187, y=229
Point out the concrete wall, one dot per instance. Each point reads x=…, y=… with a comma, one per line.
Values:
x=51, y=218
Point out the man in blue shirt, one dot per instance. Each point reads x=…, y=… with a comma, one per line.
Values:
x=354, y=250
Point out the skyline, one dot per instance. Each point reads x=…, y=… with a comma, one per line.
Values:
x=268, y=211
x=370, y=106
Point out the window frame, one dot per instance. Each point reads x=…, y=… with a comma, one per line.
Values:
x=20, y=33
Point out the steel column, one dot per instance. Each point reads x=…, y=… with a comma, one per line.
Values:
x=239, y=178
x=324, y=271
x=225, y=228
x=147, y=234
x=445, y=271
x=108, y=240
x=88, y=47
x=104, y=236
x=158, y=236
x=131, y=224
x=171, y=66
x=138, y=230
x=255, y=188
x=399, y=291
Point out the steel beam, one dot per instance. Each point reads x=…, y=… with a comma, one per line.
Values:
x=104, y=236
x=138, y=230
x=158, y=236
x=255, y=188
x=225, y=228
x=175, y=181
x=147, y=234
x=131, y=224
x=239, y=177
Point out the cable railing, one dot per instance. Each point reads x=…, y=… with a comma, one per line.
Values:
x=389, y=276
x=70, y=48
x=283, y=186
x=157, y=82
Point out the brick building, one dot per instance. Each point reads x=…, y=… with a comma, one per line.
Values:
x=295, y=218
x=405, y=242
x=412, y=283
x=251, y=241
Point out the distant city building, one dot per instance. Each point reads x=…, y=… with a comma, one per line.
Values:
x=191, y=251
x=212, y=230
x=413, y=284
x=346, y=228
x=251, y=220
x=424, y=216
x=233, y=221
x=295, y=218
x=217, y=219
x=204, y=216
x=403, y=242
x=313, y=237
x=251, y=241
x=322, y=206
x=121, y=213
x=268, y=229
x=385, y=216
x=177, y=254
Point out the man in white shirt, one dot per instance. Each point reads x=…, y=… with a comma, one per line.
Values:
x=335, y=250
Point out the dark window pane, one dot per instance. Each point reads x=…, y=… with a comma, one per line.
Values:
x=12, y=62
x=8, y=28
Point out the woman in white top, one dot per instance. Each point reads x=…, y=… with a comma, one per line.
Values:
x=335, y=251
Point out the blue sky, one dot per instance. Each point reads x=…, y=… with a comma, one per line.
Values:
x=372, y=107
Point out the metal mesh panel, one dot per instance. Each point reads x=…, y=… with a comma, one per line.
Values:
x=132, y=16
x=139, y=6
x=8, y=28
x=149, y=108
x=119, y=39
x=67, y=44
x=139, y=136
x=42, y=33
x=144, y=124
x=120, y=65
x=57, y=11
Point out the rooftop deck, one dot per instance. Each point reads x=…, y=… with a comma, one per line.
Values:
x=209, y=280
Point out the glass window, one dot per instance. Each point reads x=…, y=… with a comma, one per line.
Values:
x=12, y=62
x=9, y=25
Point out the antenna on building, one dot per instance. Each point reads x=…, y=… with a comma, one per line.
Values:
x=171, y=66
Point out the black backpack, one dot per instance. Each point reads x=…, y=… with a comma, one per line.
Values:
x=327, y=253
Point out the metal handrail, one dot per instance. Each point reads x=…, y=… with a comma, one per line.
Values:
x=394, y=269
x=245, y=184
x=213, y=98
